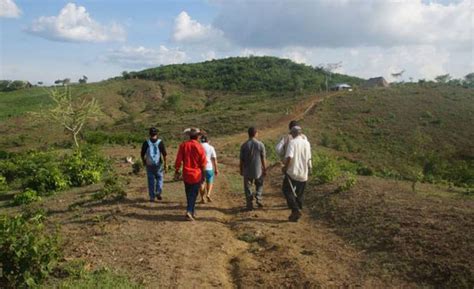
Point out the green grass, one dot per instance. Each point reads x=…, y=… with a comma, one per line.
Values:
x=16, y=103
x=397, y=129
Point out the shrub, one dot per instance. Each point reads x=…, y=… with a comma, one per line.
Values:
x=325, y=169
x=113, y=189
x=137, y=167
x=28, y=253
x=348, y=183
x=26, y=197
x=46, y=180
x=84, y=166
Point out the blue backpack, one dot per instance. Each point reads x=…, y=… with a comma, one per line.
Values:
x=153, y=153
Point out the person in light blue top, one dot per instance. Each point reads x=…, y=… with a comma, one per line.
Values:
x=153, y=156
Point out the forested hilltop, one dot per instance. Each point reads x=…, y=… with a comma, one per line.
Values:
x=254, y=73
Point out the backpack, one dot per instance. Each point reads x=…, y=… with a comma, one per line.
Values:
x=153, y=153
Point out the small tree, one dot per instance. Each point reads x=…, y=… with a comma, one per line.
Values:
x=83, y=79
x=443, y=78
x=71, y=113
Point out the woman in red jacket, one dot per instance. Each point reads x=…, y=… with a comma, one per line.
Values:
x=192, y=156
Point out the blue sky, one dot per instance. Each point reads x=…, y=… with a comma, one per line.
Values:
x=48, y=40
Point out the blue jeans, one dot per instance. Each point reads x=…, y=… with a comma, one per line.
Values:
x=192, y=191
x=155, y=180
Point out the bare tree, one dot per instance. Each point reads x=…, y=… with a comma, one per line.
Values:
x=328, y=70
x=72, y=114
x=398, y=75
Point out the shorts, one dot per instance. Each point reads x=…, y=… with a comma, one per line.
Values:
x=209, y=176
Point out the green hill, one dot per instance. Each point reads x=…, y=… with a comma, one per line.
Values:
x=244, y=74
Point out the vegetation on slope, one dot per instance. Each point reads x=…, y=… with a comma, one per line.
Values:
x=244, y=74
x=402, y=131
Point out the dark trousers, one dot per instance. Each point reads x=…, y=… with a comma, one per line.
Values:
x=248, y=189
x=294, y=193
x=192, y=191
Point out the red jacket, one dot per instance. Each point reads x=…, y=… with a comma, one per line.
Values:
x=192, y=155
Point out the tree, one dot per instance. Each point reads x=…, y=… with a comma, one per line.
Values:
x=71, y=113
x=398, y=75
x=58, y=81
x=83, y=79
x=66, y=81
x=469, y=80
x=40, y=83
x=443, y=78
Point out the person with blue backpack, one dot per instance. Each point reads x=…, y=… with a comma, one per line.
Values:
x=153, y=156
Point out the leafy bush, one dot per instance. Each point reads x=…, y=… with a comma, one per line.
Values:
x=84, y=166
x=28, y=253
x=347, y=184
x=325, y=169
x=137, y=167
x=46, y=180
x=26, y=197
x=113, y=189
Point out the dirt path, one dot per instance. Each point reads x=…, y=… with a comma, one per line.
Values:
x=225, y=248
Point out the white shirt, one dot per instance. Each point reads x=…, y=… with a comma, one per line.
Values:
x=282, y=145
x=299, y=150
x=210, y=153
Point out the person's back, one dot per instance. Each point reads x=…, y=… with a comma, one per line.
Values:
x=192, y=154
x=251, y=154
x=299, y=150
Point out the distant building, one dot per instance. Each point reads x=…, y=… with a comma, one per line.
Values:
x=341, y=86
x=376, y=82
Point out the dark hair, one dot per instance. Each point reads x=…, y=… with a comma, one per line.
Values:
x=292, y=124
x=203, y=138
x=153, y=131
x=252, y=131
x=194, y=136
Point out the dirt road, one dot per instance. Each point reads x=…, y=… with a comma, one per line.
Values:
x=226, y=247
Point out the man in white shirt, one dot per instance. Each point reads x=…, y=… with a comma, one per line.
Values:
x=296, y=167
x=211, y=170
x=282, y=145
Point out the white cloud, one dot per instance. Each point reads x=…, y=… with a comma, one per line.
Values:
x=75, y=24
x=189, y=31
x=345, y=23
x=141, y=57
x=9, y=9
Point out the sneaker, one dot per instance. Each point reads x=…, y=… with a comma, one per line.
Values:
x=194, y=215
x=152, y=200
x=259, y=204
x=209, y=199
x=189, y=217
x=159, y=197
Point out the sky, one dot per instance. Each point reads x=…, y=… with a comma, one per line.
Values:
x=45, y=40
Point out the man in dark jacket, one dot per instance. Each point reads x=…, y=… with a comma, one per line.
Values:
x=153, y=156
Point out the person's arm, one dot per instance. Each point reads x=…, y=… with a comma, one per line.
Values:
x=263, y=157
x=143, y=152
x=162, y=148
x=288, y=156
x=279, y=148
x=178, y=162
x=214, y=161
x=310, y=159
x=241, y=164
x=203, y=162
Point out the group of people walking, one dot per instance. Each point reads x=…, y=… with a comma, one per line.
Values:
x=196, y=165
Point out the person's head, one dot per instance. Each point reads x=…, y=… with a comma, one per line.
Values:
x=204, y=139
x=252, y=131
x=292, y=124
x=194, y=133
x=295, y=131
x=153, y=132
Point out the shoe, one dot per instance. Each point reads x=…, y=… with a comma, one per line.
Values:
x=209, y=199
x=152, y=200
x=189, y=217
x=294, y=217
x=194, y=215
x=159, y=197
x=259, y=204
x=202, y=201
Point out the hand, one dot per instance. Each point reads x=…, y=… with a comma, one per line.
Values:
x=176, y=176
x=283, y=170
x=217, y=172
x=264, y=172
